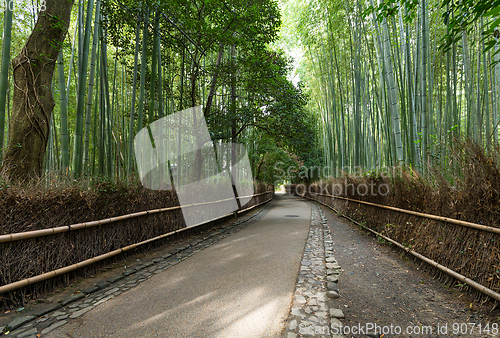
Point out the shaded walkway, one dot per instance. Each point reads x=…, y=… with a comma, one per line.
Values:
x=240, y=287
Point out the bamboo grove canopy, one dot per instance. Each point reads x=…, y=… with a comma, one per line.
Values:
x=123, y=64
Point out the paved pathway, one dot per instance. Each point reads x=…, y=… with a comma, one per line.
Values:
x=241, y=286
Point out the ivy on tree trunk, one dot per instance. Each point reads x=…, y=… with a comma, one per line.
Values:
x=33, y=103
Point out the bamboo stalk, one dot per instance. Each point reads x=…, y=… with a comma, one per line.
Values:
x=63, y=115
x=107, y=113
x=496, y=93
x=132, y=105
x=4, y=71
x=142, y=78
x=423, y=89
x=82, y=69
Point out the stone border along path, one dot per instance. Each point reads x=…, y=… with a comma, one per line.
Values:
x=52, y=317
x=313, y=313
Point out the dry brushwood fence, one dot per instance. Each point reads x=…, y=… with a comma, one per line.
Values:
x=464, y=186
x=27, y=211
x=470, y=252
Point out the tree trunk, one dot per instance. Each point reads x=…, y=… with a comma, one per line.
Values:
x=33, y=103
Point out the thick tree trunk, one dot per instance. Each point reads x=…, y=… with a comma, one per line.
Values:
x=33, y=103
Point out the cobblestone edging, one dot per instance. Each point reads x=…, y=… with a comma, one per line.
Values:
x=313, y=313
x=43, y=321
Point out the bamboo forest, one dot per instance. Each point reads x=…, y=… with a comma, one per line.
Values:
x=258, y=168
x=397, y=82
x=316, y=83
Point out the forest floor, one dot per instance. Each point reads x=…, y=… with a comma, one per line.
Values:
x=381, y=286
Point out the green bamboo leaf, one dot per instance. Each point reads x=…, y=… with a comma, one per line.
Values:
x=493, y=12
x=496, y=22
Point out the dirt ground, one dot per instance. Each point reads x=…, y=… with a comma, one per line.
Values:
x=380, y=286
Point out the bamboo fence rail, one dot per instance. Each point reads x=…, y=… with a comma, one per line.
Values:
x=52, y=231
x=481, y=288
x=51, y=274
x=415, y=213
